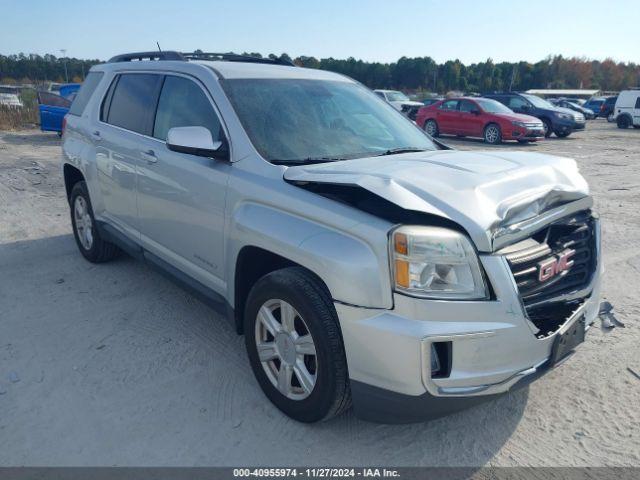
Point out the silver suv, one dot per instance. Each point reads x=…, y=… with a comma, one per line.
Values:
x=365, y=263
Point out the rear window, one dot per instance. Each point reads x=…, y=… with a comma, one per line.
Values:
x=133, y=102
x=638, y=102
x=84, y=94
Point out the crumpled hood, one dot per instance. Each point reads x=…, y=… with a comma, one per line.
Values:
x=484, y=192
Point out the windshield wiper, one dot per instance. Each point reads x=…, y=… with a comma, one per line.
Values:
x=394, y=151
x=307, y=161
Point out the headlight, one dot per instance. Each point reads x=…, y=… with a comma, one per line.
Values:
x=435, y=262
x=565, y=116
x=519, y=124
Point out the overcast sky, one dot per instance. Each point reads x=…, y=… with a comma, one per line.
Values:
x=471, y=31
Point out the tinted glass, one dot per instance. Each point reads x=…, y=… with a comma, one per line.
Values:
x=294, y=120
x=467, y=106
x=134, y=101
x=449, y=105
x=516, y=103
x=184, y=104
x=84, y=94
x=538, y=102
x=637, y=102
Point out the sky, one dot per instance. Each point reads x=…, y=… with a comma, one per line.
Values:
x=384, y=31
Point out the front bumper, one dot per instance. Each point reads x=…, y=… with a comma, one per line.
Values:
x=493, y=344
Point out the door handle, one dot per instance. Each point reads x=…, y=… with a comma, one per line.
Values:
x=96, y=135
x=149, y=156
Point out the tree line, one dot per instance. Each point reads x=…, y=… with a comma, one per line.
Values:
x=408, y=74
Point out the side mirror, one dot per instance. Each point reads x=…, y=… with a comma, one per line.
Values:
x=475, y=111
x=195, y=141
x=524, y=107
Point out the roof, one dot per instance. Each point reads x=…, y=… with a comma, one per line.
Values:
x=561, y=91
x=232, y=70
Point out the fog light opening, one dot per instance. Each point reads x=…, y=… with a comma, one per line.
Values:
x=440, y=359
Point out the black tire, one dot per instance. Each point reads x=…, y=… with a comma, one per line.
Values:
x=330, y=395
x=100, y=250
x=636, y=126
x=432, y=126
x=564, y=134
x=547, y=128
x=492, y=134
x=623, y=121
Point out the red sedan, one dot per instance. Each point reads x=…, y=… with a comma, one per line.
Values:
x=479, y=117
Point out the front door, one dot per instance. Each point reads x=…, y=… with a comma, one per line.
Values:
x=447, y=117
x=181, y=197
x=470, y=121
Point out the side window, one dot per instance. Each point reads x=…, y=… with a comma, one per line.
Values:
x=184, y=104
x=468, y=106
x=637, y=102
x=380, y=94
x=133, y=101
x=449, y=105
x=84, y=94
x=516, y=103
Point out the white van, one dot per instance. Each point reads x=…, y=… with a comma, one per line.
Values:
x=627, y=110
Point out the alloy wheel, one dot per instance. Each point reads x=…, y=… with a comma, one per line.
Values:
x=492, y=134
x=286, y=349
x=83, y=222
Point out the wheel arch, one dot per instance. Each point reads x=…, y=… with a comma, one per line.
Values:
x=71, y=175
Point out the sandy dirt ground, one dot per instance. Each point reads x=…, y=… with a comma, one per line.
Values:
x=114, y=365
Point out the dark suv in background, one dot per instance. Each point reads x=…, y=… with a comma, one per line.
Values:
x=560, y=121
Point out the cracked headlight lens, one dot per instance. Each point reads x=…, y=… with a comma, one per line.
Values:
x=435, y=262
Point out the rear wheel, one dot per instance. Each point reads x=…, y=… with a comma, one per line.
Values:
x=91, y=245
x=431, y=127
x=295, y=345
x=492, y=134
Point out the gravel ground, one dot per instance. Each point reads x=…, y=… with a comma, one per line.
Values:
x=114, y=365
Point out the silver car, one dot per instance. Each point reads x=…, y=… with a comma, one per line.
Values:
x=364, y=262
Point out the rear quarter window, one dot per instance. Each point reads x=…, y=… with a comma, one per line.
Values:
x=86, y=91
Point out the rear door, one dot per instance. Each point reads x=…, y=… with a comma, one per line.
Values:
x=447, y=116
x=52, y=109
x=181, y=197
x=126, y=123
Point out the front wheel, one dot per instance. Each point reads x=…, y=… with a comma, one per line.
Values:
x=563, y=134
x=431, y=127
x=492, y=134
x=546, y=125
x=623, y=121
x=295, y=345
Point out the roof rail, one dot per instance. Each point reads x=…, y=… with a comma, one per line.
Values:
x=128, y=57
x=234, y=57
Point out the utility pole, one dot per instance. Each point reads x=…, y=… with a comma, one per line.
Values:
x=64, y=61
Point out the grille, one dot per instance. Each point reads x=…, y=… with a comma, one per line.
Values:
x=576, y=232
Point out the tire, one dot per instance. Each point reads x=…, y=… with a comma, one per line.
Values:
x=91, y=245
x=564, y=134
x=623, y=121
x=492, y=134
x=547, y=128
x=636, y=126
x=431, y=127
x=327, y=392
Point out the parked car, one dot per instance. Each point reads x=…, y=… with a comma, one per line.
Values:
x=595, y=104
x=10, y=96
x=363, y=261
x=626, y=112
x=54, y=107
x=606, y=109
x=571, y=105
x=560, y=121
x=479, y=117
x=400, y=102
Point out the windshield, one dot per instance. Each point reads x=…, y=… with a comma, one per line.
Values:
x=394, y=96
x=538, y=102
x=492, y=106
x=294, y=120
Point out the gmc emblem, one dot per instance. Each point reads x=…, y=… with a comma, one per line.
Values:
x=555, y=265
